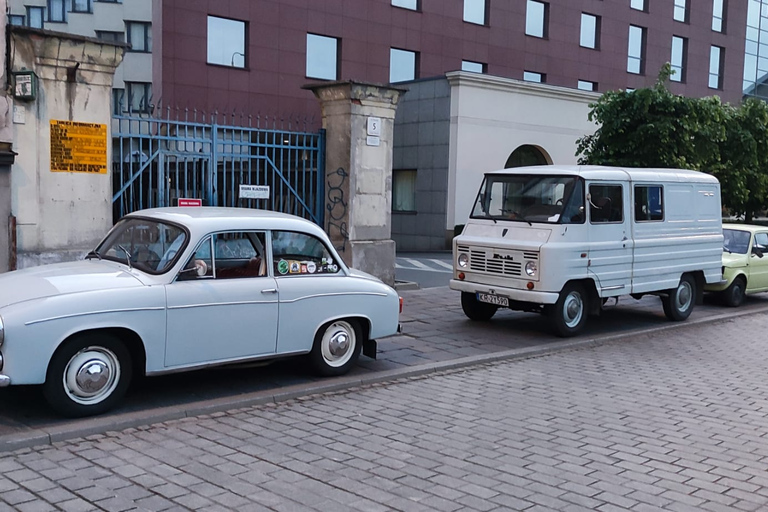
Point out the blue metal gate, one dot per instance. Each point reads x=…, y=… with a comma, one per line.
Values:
x=157, y=161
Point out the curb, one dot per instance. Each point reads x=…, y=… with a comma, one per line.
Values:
x=100, y=425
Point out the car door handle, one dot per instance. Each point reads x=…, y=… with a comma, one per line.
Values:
x=269, y=290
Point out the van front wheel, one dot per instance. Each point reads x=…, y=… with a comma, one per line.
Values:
x=476, y=310
x=569, y=313
x=679, y=302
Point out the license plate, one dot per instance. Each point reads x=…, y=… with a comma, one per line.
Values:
x=493, y=299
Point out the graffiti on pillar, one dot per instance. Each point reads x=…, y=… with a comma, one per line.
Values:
x=337, y=209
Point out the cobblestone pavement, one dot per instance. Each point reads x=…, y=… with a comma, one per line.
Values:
x=670, y=420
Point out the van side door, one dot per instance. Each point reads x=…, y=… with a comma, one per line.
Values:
x=610, y=239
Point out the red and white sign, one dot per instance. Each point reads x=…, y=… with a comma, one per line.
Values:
x=189, y=201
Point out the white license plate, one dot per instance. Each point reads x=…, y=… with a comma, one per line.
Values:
x=493, y=299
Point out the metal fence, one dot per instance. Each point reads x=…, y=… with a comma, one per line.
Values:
x=158, y=160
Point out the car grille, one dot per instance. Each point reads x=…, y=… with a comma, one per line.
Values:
x=497, y=261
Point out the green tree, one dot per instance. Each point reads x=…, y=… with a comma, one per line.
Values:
x=652, y=127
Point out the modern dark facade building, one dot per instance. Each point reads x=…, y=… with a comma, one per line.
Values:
x=254, y=55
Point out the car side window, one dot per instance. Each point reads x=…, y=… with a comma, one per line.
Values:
x=299, y=253
x=606, y=204
x=231, y=255
x=761, y=241
x=649, y=204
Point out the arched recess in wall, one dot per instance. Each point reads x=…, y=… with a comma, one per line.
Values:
x=527, y=155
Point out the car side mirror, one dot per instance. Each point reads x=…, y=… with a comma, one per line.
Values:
x=757, y=252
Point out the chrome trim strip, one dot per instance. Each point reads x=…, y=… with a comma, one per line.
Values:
x=227, y=362
x=2, y=332
x=333, y=294
x=617, y=287
x=239, y=303
x=5, y=381
x=104, y=312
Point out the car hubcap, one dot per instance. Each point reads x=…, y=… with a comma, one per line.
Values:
x=91, y=375
x=573, y=309
x=338, y=344
x=684, y=296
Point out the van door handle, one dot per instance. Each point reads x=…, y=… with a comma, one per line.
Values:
x=269, y=290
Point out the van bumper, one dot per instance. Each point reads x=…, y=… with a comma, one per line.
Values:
x=531, y=296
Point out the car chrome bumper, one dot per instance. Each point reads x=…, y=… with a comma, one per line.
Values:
x=5, y=381
x=534, y=297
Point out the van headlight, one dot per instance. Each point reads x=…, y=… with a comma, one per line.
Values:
x=531, y=269
x=462, y=260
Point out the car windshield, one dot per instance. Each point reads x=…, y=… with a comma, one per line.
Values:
x=736, y=240
x=146, y=244
x=531, y=198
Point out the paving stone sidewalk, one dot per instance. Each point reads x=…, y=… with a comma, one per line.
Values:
x=669, y=420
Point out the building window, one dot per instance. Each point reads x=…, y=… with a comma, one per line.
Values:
x=35, y=17
x=586, y=85
x=681, y=11
x=719, y=8
x=679, y=57
x=532, y=76
x=474, y=67
x=139, y=36
x=57, y=11
x=536, y=18
x=138, y=96
x=82, y=6
x=118, y=101
x=322, y=57
x=404, y=190
x=716, y=59
x=475, y=11
x=590, y=31
x=112, y=37
x=407, y=4
x=403, y=65
x=636, y=50
x=15, y=19
x=649, y=203
x=226, y=42
x=638, y=5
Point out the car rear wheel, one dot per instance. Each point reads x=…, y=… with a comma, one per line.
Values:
x=569, y=313
x=733, y=296
x=336, y=348
x=88, y=375
x=679, y=302
x=476, y=310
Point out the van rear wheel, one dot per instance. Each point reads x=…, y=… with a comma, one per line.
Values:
x=569, y=313
x=679, y=302
x=476, y=310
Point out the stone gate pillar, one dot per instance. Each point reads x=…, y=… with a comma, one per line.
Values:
x=359, y=122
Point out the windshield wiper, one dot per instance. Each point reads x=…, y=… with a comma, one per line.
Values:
x=93, y=254
x=127, y=254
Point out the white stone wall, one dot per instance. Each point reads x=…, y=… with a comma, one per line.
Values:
x=492, y=116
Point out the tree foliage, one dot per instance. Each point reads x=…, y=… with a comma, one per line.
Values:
x=652, y=127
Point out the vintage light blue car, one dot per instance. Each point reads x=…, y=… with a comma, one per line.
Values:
x=174, y=289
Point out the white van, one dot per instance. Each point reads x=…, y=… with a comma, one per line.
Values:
x=561, y=240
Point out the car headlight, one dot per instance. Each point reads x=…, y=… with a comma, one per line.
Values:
x=530, y=268
x=463, y=260
x=2, y=332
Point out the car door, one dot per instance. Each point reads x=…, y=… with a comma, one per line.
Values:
x=758, y=266
x=610, y=240
x=224, y=304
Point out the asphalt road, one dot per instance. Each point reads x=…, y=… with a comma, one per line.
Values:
x=428, y=270
x=435, y=335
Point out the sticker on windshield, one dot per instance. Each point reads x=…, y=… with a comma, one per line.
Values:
x=311, y=267
x=282, y=266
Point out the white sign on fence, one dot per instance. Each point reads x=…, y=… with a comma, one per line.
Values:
x=254, y=191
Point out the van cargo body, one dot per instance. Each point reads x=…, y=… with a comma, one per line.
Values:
x=561, y=240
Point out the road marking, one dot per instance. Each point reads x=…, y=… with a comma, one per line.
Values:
x=443, y=264
x=418, y=264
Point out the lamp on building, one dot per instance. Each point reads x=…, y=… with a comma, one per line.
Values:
x=233, y=58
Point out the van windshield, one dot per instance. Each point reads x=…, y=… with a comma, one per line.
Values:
x=531, y=198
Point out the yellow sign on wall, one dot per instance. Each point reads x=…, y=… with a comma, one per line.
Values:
x=78, y=147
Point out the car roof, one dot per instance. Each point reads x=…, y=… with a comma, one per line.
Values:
x=599, y=172
x=745, y=227
x=213, y=218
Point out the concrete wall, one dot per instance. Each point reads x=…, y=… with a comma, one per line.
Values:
x=492, y=116
x=422, y=136
x=60, y=215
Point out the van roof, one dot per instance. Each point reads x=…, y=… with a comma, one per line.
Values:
x=598, y=172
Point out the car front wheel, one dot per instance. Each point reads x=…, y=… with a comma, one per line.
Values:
x=88, y=375
x=336, y=348
x=679, y=302
x=733, y=296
